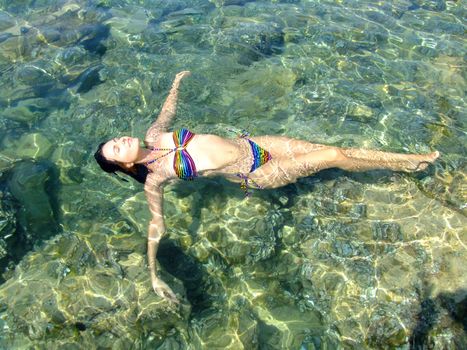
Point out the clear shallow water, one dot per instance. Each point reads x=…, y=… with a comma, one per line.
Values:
x=338, y=260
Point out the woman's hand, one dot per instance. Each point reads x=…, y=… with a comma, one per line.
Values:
x=164, y=291
x=181, y=75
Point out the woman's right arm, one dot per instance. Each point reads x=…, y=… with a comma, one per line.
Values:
x=154, y=194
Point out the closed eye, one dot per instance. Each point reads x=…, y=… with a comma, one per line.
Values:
x=115, y=148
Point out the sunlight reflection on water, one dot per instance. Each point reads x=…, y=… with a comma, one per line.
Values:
x=338, y=260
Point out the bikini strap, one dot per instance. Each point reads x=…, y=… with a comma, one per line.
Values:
x=244, y=184
x=243, y=134
x=170, y=150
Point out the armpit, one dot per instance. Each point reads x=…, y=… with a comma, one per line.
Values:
x=152, y=134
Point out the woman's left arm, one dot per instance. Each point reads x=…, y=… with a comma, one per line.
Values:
x=168, y=109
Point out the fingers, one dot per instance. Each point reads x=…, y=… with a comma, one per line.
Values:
x=183, y=74
x=171, y=297
x=164, y=291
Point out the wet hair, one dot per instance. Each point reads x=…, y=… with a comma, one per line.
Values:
x=138, y=172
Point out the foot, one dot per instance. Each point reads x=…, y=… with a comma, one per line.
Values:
x=421, y=162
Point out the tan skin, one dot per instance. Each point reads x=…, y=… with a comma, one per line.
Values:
x=214, y=155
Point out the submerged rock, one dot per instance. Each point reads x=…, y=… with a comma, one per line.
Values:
x=447, y=186
x=390, y=232
x=131, y=20
x=386, y=329
x=6, y=20
x=82, y=289
x=88, y=79
x=29, y=185
x=21, y=113
x=71, y=25
x=366, y=269
x=242, y=232
x=7, y=226
x=360, y=112
x=12, y=48
x=6, y=163
x=33, y=146
x=251, y=40
x=35, y=74
x=67, y=158
x=255, y=88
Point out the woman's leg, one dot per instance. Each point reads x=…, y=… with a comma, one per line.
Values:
x=357, y=159
x=283, y=146
x=282, y=171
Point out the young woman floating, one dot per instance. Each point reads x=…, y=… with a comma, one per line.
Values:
x=254, y=162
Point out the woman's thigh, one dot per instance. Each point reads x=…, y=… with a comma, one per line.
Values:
x=281, y=171
x=282, y=146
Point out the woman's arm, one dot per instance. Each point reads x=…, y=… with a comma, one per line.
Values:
x=168, y=109
x=154, y=194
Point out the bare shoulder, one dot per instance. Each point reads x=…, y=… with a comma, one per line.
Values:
x=152, y=134
x=155, y=138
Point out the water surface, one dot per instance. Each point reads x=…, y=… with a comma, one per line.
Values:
x=375, y=260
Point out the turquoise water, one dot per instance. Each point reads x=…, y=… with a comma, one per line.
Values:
x=373, y=260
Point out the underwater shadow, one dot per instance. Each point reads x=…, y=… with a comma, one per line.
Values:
x=212, y=189
x=191, y=273
x=185, y=267
x=307, y=184
x=455, y=306
x=371, y=177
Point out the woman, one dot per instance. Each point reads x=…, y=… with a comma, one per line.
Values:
x=256, y=162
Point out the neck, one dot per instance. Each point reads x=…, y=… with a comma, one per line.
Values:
x=144, y=155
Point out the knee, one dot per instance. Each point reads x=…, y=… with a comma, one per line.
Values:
x=335, y=154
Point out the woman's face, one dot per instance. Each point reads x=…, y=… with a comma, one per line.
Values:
x=123, y=149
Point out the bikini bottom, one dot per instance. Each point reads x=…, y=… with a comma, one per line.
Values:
x=260, y=157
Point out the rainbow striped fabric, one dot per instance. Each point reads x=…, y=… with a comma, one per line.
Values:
x=260, y=156
x=183, y=165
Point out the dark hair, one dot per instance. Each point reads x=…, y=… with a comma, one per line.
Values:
x=138, y=172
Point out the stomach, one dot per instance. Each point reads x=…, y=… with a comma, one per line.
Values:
x=213, y=153
x=220, y=156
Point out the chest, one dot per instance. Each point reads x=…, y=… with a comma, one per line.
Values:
x=204, y=153
x=172, y=155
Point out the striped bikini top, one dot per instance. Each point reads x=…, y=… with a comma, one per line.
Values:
x=183, y=165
